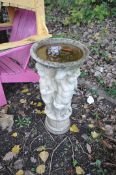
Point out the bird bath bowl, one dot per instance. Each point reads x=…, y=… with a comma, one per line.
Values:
x=58, y=63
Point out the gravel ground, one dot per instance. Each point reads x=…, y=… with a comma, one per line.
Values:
x=90, y=145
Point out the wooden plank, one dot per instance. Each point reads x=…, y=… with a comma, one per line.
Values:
x=28, y=4
x=6, y=24
x=14, y=67
x=11, y=14
x=1, y=69
x=5, y=68
x=40, y=18
x=28, y=40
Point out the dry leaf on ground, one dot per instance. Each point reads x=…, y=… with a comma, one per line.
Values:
x=88, y=148
x=16, y=149
x=23, y=101
x=41, y=148
x=40, y=169
x=91, y=126
x=25, y=90
x=108, y=130
x=44, y=156
x=39, y=104
x=106, y=144
x=74, y=128
x=6, y=121
x=94, y=135
x=9, y=156
x=14, y=134
x=79, y=170
x=20, y=172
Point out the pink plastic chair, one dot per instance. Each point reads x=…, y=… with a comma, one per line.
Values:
x=13, y=62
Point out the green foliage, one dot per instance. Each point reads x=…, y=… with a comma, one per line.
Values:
x=98, y=163
x=99, y=169
x=96, y=115
x=88, y=10
x=84, y=11
x=75, y=163
x=83, y=74
x=23, y=122
x=111, y=90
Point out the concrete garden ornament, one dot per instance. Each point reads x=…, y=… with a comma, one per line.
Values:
x=57, y=63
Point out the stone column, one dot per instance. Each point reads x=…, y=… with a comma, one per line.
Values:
x=57, y=87
x=58, y=82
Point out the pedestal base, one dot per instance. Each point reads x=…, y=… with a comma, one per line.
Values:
x=57, y=127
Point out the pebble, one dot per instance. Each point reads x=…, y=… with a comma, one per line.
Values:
x=109, y=130
x=18, y=164
x=97, y=74
x=90, y=100
x=1, y=166
x=33, y=160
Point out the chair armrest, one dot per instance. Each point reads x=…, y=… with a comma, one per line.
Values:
x=23, y=42
x=9, y=51
x=5, y=26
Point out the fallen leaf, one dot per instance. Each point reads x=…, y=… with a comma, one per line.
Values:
x=43, y=112
x=94, y=135
x=23, y=101
x=6, y=121
x=16, y=149
x=88, y=148
x=41, y=148
x=40, y=169
x=4, y=110
x=25, y=90
x=29, y=93
x=74, y=128
x=39, y=112
x=9, y=156
x=27, y=172
x=79, y=170
x=39, y=104
x=20, y=172
x=106, y=144
x=91, y=126
x=108, y=130
x=31, y=103
x=44, y=156
x=14, y=134
x=18, y=164
x=34, y=104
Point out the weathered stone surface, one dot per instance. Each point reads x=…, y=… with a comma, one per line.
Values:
x=58, y=83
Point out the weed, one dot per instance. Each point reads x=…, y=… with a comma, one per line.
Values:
x=96, y=115
x=100, y=80
x=83, y=74
x=99, y=169
x=75, y=163
x=94, y=92
x=23, y=122
x=111, y=90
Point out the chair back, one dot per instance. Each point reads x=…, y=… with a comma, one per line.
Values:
x=24, y=25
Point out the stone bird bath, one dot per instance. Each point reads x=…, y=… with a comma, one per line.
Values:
x=58, y=63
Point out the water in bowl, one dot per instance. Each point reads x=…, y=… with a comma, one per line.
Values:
x=60, y=53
